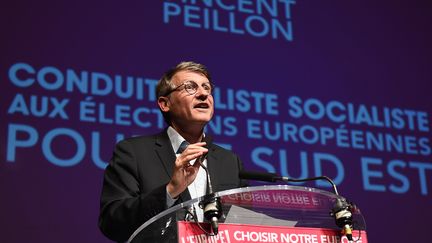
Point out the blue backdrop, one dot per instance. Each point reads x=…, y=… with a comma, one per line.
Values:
x=340, y=88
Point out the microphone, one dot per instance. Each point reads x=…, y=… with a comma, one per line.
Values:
x=343, y=217
x=210, y=204
x=342, y=210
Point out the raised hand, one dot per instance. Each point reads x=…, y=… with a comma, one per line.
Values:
x=184, y=172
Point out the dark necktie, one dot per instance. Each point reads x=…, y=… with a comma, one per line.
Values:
x=182, y=147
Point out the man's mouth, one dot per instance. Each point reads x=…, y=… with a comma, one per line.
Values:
x=202, y=106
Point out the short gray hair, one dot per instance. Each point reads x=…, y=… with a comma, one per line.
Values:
x=165, y=84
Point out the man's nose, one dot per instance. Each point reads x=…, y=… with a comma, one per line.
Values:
x=202, y=92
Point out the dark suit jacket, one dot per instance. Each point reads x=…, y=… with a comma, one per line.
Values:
x=134, y=188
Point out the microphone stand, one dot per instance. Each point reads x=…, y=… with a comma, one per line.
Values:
x=210, y=204
x=342, y=210
x=286, y=179
x=273, y=177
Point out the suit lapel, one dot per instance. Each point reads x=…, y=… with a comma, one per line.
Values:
x=167, y=157
x=165, y=152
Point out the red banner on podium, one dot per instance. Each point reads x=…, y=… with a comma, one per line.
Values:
x=189, y=232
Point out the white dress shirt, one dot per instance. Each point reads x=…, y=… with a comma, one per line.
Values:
x=198, y=187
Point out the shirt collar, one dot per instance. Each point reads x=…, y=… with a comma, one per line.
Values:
x=175, y=138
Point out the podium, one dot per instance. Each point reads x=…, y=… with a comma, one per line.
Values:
x=273, y=213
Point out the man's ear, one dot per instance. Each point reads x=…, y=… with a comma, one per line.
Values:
x=164, y=104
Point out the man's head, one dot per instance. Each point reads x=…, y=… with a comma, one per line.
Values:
x=184, y=95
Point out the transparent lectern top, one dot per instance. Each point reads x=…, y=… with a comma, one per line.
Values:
x=277, y=205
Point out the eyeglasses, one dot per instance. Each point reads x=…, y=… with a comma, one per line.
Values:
x=191, y=88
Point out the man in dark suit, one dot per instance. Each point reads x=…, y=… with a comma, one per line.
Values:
x=149, y=174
